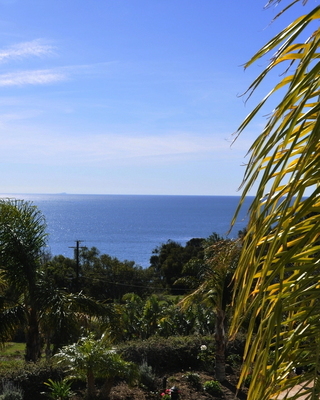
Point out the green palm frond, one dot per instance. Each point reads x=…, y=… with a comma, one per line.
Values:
x=63, y=314
x=278, y=280
x=11, y=318
x=214, y=279
x=22, y=240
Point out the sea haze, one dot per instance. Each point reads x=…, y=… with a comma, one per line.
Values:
x=130, y=227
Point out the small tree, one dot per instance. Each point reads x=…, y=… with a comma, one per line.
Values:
x=215, y=291
x=90, y=359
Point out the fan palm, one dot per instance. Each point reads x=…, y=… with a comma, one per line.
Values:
x=277, y=281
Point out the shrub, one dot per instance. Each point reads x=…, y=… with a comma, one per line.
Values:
x=234, y=359
x=30, y=378
x=207, y=357
x=193, y=379
x=213, y=387
x=59, y=390
x=146, y=376
x=166, y=355
x=10, y=391
x=90, y=359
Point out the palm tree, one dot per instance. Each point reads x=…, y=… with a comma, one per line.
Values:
x=22, y=240
x=27, y=300
x=215, y=291
x=277, y=280
x=91, y=359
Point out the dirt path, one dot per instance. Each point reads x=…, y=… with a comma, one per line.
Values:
x=296, y=389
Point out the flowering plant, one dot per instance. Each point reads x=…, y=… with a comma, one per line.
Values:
x=206, y=356
x=166, y=395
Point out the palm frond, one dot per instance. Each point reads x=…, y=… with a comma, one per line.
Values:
x=277, y=281
x=12, y=317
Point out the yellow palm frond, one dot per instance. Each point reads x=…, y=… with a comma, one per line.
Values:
x=277, y=282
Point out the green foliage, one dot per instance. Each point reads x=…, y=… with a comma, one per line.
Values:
x=137, y=318
x=147, y=378
x=102, y=277
x=90, y=359
x=277, y=280
x=214, y=290
x=234, y=359
x=207, y=357
x=10, y=391
x=105, y=277
x=213, y=387
x=166, y=354
x=28, y=301
x=193, y=379
x=7, y=366
x=168, y=261
x=166, y=395
x=13, y=350
x=247, y=380
x=30, y=377
x=22, y=240
x=59, y=390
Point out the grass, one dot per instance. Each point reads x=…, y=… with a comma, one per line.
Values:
x=13, y=350
x=11, y=357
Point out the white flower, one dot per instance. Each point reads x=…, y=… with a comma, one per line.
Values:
x=203, y=347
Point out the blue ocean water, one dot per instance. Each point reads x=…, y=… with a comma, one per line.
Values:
x=129, y=227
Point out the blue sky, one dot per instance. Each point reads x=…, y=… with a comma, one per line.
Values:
x=128, y=96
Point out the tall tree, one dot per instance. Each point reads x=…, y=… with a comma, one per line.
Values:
x=168, y=261
x=27, y=300
x=22, y=240
x=277, y=281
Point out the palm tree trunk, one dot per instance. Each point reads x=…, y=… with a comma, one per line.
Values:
x=33, y=341
x=220, y=339
x=91, y=388
x=106, y=389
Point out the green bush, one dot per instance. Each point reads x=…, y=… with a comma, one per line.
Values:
x=166, y=355
x=213, y=388
x=234, y=359
x=31, y=378
x=146, y=376
x=237, y=346
x=10, y=391
x=193, y=379
x=59, y=390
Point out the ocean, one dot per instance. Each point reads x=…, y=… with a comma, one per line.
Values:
x=129, y=227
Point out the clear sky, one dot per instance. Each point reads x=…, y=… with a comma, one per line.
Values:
x=128, y=96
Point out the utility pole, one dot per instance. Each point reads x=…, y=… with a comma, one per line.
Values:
x=77, y=248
